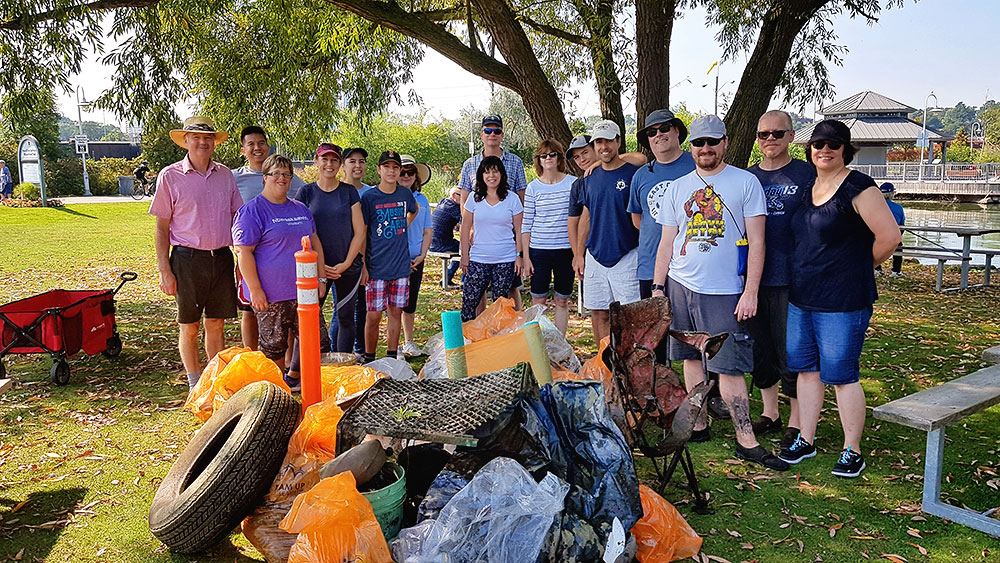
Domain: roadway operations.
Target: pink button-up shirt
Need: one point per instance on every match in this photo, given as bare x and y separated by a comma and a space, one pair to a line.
200, 207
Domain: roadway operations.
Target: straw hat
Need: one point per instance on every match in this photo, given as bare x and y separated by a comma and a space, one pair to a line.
197, 124
423, 171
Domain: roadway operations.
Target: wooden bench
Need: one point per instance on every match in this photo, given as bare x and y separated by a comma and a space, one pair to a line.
932, 410
943, 255
446, 259
962, 173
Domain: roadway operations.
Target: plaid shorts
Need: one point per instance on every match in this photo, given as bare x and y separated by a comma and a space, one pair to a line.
392, 292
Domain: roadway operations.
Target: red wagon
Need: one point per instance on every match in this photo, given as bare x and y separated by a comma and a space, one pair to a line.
61, 323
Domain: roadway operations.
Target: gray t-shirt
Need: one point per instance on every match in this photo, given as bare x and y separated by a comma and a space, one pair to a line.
250, 182
709, 214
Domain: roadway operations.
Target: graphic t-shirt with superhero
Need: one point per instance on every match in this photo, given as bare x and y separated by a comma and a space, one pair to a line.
709, 214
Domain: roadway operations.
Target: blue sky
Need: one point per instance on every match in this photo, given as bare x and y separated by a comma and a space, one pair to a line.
948, 46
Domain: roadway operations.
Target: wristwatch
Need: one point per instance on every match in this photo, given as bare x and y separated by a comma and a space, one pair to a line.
658, 287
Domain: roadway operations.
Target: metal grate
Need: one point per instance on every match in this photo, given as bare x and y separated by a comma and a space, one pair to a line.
437, 410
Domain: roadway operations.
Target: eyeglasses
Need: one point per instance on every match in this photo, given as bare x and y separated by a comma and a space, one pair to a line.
492, 131
285, 175
820, 145
411, 172
552, 154
652, 131
777, 134
703, 142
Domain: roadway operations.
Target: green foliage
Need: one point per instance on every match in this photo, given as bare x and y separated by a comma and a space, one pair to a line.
64, 177
104, 173
39, 119
158, 148
429, 142
27, 190
797, 152
93, 130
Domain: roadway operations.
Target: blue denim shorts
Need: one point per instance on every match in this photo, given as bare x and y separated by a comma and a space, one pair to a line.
829, 343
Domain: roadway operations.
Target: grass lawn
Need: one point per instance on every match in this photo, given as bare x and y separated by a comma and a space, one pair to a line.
79, 464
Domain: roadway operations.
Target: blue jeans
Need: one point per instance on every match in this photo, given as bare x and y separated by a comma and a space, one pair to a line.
829, 343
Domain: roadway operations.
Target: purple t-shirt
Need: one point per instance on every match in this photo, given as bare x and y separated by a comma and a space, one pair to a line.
276, 231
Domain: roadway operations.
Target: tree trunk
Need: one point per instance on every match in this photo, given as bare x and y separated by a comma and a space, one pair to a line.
782, 23
599, 22
539, 96
654, 24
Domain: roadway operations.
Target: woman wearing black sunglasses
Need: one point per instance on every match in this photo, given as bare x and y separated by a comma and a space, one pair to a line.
842, 228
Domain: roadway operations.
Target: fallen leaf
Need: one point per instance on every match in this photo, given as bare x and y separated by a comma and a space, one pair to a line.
894, 558
746, 545
919, 548
18, 506
734, 533
914, 532
717, 559
801, 545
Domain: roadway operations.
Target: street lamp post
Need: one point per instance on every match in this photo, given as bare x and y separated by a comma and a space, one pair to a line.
924, 141
79, 119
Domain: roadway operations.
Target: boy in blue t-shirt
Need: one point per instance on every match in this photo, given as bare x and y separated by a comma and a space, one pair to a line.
888, 191
387, 210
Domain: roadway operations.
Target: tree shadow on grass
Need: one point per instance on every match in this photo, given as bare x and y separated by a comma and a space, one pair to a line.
36, 525
66, 209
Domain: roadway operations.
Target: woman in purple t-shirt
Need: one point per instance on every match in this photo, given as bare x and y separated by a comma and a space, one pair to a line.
267, 231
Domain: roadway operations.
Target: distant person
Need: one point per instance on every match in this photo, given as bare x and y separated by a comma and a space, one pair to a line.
412, 177
336, 208
784, 180
387, 210
549, 258
355, 167
6, 181
250, 182
888, 192
267, 231
140, 174
492, 258
194, 209
842, 229
444, 221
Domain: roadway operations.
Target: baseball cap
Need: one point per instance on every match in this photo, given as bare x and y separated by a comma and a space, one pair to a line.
661, 116
605, 129
708, 127
390, 156
831, 130
492, 119
887, 188
328, 148
578, 142
351, 150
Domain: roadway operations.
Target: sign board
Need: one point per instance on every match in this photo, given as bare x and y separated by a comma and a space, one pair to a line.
923, 139
31, 172
30, 165
82, 148
28, 150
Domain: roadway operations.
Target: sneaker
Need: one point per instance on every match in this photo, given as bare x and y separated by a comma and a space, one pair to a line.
699, 436
791, 433
897, 275
799, 450
410, 350
759, 455
765, 425
850, 464
718, 408
293, 383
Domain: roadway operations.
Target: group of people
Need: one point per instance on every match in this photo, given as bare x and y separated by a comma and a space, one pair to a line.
683, 224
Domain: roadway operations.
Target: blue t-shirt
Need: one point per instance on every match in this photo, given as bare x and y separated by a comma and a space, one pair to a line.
447, 214
250, 183
276, 231
897, 212
387, 253
332, 213
415, 232
576, 198
783, 190
648, 187
605, 193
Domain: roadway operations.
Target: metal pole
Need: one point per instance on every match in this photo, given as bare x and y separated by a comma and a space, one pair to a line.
79, 120
716, 92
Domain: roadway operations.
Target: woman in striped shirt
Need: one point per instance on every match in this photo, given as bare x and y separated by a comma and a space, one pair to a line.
544, 232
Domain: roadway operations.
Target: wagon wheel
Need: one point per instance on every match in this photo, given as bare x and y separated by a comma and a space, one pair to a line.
113, 347
60, 371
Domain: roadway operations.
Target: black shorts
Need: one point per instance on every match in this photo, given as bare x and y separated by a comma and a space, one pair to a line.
205, 283
416, 276
552, 268
768, 330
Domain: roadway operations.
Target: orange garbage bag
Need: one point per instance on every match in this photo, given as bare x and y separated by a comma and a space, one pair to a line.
662, 534
244, 369
595, 369
312, 444
335, 523
199, 400
341, 382
499, 318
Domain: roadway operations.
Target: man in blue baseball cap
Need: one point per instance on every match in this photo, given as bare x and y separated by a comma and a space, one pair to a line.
888, 192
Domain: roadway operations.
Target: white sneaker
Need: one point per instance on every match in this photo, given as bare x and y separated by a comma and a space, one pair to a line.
410, 350
897, 275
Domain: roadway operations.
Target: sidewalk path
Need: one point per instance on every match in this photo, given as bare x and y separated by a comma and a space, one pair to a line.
99, 199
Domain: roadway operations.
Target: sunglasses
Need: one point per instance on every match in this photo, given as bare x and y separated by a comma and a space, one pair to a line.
553, 154
703, 142
405, 172
285, 175
777, 134
820, 145
492, 131
652, 131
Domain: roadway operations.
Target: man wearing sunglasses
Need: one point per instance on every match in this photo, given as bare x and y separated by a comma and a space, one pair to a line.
706, 216
784, 180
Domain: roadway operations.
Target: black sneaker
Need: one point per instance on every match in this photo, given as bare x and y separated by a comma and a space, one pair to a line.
699, 436
759, 455
765, 425
718, 408
799, 450
850, 464
791, 433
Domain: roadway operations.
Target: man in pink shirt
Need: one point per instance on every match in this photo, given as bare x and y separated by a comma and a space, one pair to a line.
194, 206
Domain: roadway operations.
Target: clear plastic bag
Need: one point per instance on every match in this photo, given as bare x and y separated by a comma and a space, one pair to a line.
560, 351
393, 367
662, 533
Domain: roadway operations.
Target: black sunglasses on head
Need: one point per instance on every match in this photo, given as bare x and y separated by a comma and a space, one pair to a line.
819, 145
703, 142
492, 131
552, 154
652, 131
777, 134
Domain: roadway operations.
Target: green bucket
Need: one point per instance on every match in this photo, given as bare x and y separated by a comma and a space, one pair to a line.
387, 503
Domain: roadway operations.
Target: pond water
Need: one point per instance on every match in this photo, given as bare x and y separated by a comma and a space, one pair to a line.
928, 214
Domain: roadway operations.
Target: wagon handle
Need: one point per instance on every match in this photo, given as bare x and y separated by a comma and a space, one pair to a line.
126, 277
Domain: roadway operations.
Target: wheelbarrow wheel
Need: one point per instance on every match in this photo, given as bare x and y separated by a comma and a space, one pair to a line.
113, 347
60, 371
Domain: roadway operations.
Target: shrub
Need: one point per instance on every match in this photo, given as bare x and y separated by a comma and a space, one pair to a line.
27, 190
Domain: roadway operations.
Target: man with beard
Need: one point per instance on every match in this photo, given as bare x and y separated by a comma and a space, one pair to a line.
707, 216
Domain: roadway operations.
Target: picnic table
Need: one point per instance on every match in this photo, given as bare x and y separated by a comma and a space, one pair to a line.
965, 233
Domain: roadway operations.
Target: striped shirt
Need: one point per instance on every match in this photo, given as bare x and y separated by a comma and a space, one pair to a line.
546, 210
511, 162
